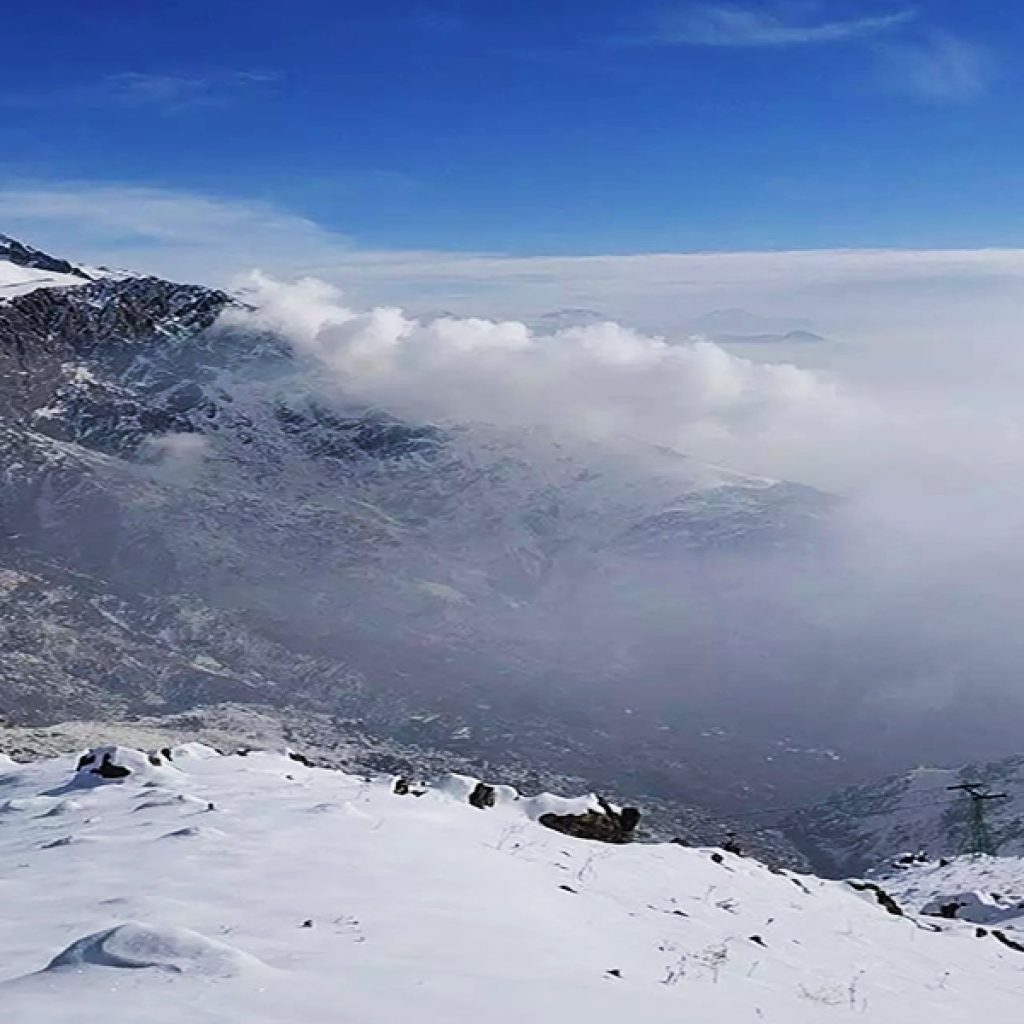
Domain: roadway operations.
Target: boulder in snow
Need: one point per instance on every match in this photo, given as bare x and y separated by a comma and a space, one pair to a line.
606, 825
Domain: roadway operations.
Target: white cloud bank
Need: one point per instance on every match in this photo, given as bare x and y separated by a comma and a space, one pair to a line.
607, 381
921, 376
603, 380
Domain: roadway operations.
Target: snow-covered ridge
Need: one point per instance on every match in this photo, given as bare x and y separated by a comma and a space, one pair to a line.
921, 810
981, 889
24, 269
258, 888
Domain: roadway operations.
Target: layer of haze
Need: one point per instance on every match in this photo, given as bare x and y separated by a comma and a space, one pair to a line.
900, 630
896, 641
913, 417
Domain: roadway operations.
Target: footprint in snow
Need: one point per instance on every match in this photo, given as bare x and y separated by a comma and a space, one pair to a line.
193, 832
67, 841
168, 801
62, 808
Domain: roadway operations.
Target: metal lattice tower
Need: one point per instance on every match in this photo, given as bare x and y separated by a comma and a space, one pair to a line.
979, 839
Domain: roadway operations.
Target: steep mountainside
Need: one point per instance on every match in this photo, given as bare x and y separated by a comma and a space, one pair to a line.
189, 514
863, 827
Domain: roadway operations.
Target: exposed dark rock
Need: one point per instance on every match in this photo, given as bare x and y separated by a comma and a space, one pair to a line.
108, 770
606, 825
25, 256
629, 818
909, 859
301, 758
403, 787
881, 896
949, 910
1007, 941
482, 796
732, 845
85, 760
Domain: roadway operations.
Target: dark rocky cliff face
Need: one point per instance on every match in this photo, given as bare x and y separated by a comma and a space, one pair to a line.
106, 364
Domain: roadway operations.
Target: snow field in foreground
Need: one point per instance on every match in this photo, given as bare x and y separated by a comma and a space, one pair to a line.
307, 895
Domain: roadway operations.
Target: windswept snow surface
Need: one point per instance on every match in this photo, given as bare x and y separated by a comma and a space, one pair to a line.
15, 280
24, 269
307, 895
985, 890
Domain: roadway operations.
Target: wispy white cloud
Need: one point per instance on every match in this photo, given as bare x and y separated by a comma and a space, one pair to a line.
938, 66
732, 25
911, 57
143, 88
160, 229
846, 294
163, 91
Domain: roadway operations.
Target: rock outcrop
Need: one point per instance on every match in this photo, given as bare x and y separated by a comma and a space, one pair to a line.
606, 825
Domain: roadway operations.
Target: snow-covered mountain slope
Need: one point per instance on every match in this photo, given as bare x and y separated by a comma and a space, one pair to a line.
862, 827
24, 269
384, 738
981, 889
18, 280
217, 889
171, 482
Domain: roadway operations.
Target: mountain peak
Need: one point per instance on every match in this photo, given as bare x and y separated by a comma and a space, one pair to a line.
13, 251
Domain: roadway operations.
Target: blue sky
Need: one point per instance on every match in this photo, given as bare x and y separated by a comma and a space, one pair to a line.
538, 127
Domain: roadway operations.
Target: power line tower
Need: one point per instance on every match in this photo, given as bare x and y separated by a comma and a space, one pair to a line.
979, 839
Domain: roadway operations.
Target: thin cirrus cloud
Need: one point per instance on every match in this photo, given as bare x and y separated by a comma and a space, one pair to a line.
136, 87
909, 58
730, 25
939, 66
171, 91
161, 91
